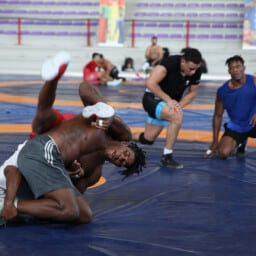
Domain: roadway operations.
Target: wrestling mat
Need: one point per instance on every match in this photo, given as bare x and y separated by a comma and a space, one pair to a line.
206, 208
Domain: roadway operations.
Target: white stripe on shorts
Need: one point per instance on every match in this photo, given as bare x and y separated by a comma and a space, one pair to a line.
48, 148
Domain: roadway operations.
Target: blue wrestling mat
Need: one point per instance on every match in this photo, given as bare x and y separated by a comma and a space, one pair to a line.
207, 208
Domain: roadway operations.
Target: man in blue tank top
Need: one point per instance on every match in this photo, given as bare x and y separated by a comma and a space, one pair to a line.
237, 97
171, 86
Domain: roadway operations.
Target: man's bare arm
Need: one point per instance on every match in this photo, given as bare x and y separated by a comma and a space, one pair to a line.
13, 179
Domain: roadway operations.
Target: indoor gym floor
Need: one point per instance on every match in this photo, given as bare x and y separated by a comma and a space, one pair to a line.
206, 208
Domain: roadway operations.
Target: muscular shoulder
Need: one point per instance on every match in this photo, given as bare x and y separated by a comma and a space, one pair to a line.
221, 91
159, 48
171, 62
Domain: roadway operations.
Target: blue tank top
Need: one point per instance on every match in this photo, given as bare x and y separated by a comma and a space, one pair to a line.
240, 104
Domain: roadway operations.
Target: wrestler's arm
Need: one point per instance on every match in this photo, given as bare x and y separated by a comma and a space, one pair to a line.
90, 95
84, 182
216, 125
147, 53
217, 119
189, 97
119, 130
75, 170
92, 164
152, 83
13, 179
107, 76
253, 119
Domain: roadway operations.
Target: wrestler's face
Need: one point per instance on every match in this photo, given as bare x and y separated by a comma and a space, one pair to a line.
120, 154
154, 41
236, 70
188, 68
97, 59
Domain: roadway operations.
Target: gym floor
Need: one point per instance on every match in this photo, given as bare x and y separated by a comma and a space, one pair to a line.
206, 208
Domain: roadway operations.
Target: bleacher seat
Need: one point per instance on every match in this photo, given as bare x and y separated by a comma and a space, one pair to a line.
164, 24
205, 5
167, 5
154, 5
151, 24
204, 25
192, 14
216, 36
166, 14
180, 5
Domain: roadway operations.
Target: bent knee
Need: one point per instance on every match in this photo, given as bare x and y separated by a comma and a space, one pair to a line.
223, 154
175, 117
70, 214
86, 217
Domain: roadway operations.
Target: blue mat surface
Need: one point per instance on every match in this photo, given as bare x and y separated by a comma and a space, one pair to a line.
207, 208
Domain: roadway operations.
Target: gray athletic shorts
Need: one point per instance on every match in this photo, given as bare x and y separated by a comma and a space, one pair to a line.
41, 165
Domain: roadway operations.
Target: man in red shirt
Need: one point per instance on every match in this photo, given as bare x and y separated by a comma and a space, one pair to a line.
91, 73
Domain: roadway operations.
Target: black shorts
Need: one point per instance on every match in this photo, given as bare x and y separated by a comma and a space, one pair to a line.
114, 73
150, 103
239, 137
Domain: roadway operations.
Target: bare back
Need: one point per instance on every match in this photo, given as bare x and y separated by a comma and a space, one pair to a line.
107, 65
77, 137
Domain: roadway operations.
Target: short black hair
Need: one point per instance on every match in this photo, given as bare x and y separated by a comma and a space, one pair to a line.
192, 54
139, 163
235, 58
95, 54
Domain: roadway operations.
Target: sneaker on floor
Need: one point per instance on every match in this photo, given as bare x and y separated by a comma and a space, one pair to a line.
2, 221
55, 67
100, 109
168, 161
241, 149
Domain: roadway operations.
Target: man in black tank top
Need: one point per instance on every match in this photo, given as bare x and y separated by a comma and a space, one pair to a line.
164, 99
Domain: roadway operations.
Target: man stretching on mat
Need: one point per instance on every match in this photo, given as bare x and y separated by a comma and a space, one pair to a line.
90, 72
238, 97
114, 155
163, 99
111, 72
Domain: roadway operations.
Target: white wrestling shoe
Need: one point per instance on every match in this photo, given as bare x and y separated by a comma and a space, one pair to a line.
114, 82
100, 110
55, 67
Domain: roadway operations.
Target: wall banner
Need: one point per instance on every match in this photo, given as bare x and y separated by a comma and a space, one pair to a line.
249, 29
111, 23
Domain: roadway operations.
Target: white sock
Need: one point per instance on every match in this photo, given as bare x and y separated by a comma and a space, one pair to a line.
167, 151
15, 203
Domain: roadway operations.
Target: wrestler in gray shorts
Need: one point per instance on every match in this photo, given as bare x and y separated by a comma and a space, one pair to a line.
41, 164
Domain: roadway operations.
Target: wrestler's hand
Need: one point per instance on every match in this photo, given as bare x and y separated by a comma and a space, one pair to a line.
9, 211
102, 123
253, 120
211, 151
76, 171
174, 106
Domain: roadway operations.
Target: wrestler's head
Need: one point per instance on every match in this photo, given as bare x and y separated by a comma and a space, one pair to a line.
191, 60
127, 155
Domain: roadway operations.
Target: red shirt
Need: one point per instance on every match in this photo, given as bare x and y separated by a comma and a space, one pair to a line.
60, 118
91, 66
